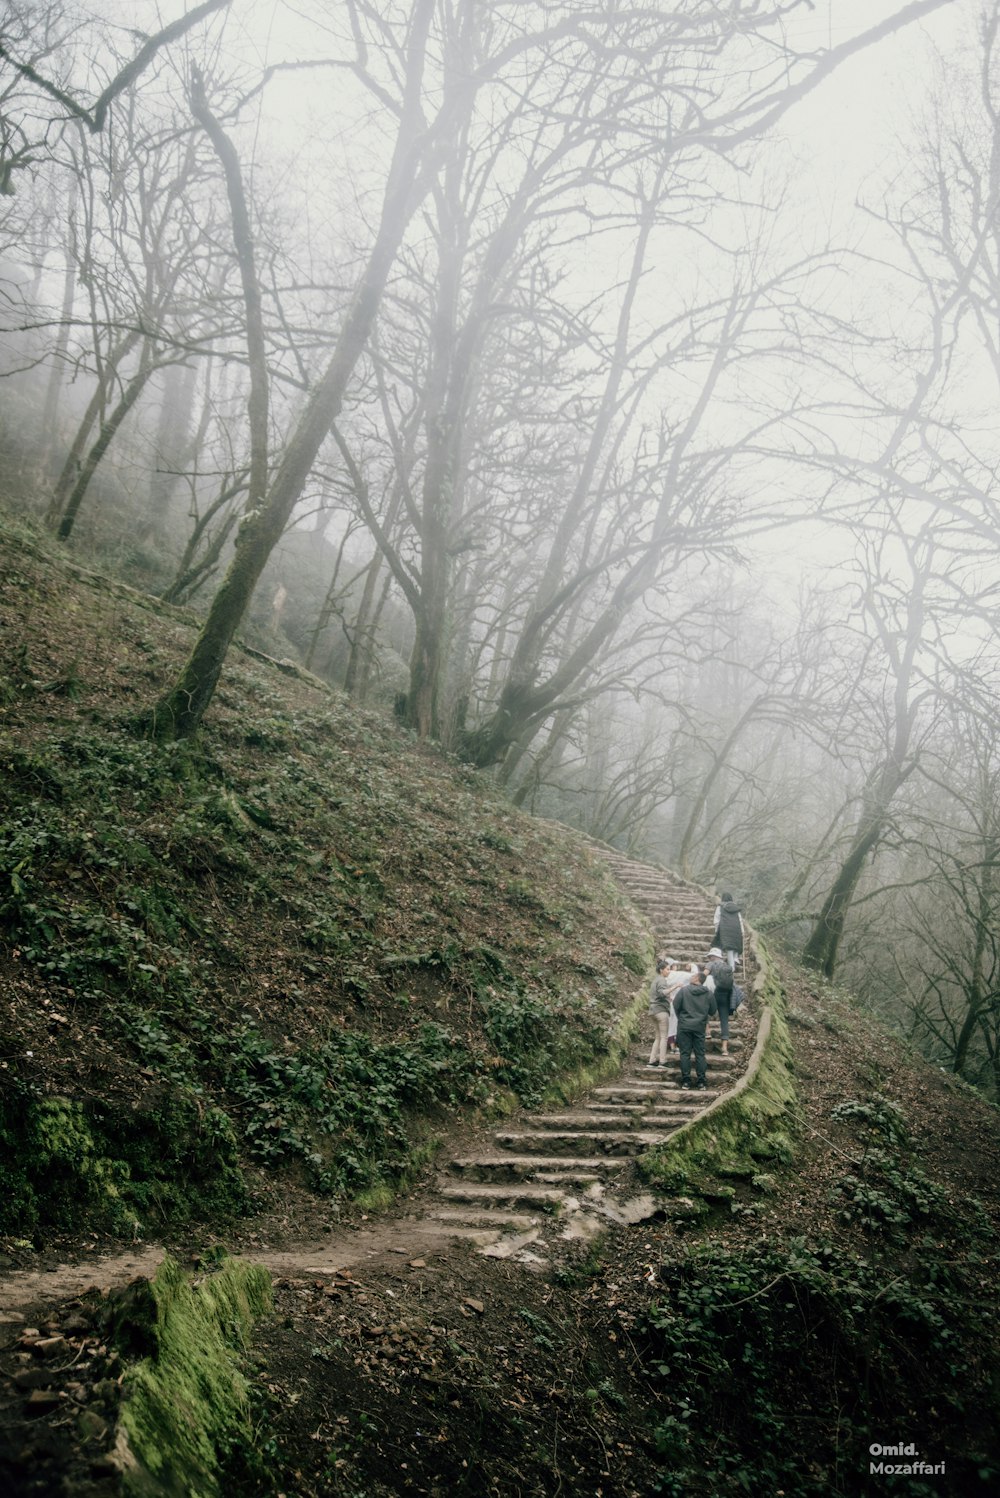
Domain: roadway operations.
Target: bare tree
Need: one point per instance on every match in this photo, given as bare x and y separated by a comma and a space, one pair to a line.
419, 149
179, 711
32, 35
900, 614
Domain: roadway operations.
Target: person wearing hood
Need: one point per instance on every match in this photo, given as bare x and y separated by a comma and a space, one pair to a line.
694, 1005
729, 928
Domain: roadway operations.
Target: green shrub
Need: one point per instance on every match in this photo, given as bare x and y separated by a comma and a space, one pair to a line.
757, 1344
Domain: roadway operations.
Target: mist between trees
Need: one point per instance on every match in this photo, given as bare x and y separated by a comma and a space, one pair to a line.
470, 356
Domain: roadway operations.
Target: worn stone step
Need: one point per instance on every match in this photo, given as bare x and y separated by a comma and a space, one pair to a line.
578, 1180
623, 1143
588, 1119
503, 1168
712, 1044
714, 1058
669, 1117
638, 1091
697, 934
601, 1107
472, 1215
667, 1089
508, 1194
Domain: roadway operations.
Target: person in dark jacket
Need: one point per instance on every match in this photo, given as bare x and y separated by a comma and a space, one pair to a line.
720, 980
694, 1006
729, 928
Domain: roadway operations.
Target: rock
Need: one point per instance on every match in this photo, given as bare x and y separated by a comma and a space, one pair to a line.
48, 1347
474, 1305
91, 1426
42, 1399
639, 1209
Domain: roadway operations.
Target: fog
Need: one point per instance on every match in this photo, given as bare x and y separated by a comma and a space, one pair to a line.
622, 385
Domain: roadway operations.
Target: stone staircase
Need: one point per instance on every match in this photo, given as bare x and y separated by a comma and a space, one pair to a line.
570, 1171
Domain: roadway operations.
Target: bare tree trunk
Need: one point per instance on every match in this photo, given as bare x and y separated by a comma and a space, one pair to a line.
719, 759
361, 639
192, 570
820, 951
978, 989
53, 389
172, 447
109, 429
179, 712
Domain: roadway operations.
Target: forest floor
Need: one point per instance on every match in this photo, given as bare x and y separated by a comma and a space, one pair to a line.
402, 1364
312, 885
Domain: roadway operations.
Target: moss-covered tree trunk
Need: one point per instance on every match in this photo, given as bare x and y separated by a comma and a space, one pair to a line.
820, 950
179, 712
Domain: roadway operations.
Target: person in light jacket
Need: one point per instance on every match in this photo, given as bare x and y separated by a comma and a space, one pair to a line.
670, 976
659, 1007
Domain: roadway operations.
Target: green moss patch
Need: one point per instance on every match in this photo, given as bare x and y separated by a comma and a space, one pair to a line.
757, 1344
300, 943
186, 1412
121, 1168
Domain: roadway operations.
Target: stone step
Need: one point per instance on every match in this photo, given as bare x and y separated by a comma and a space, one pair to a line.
712, 1043
513, 1194
664, 917
580, 1180
589, 1119
661, 885
484, 1216
714, 1058
638, 1091
674, 912
623, 1143
500, 1169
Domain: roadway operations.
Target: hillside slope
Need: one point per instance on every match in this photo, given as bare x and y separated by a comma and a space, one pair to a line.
247, 985
264, 967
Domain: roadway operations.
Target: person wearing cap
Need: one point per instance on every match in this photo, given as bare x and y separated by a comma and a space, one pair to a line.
720, 980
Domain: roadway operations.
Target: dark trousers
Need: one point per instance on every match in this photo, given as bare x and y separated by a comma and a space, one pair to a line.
688, 1041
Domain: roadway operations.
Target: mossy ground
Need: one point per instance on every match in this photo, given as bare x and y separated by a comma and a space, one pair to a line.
283, 962
287, 953
186, 1411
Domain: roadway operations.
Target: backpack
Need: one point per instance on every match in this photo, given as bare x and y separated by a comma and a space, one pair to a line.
722, 973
